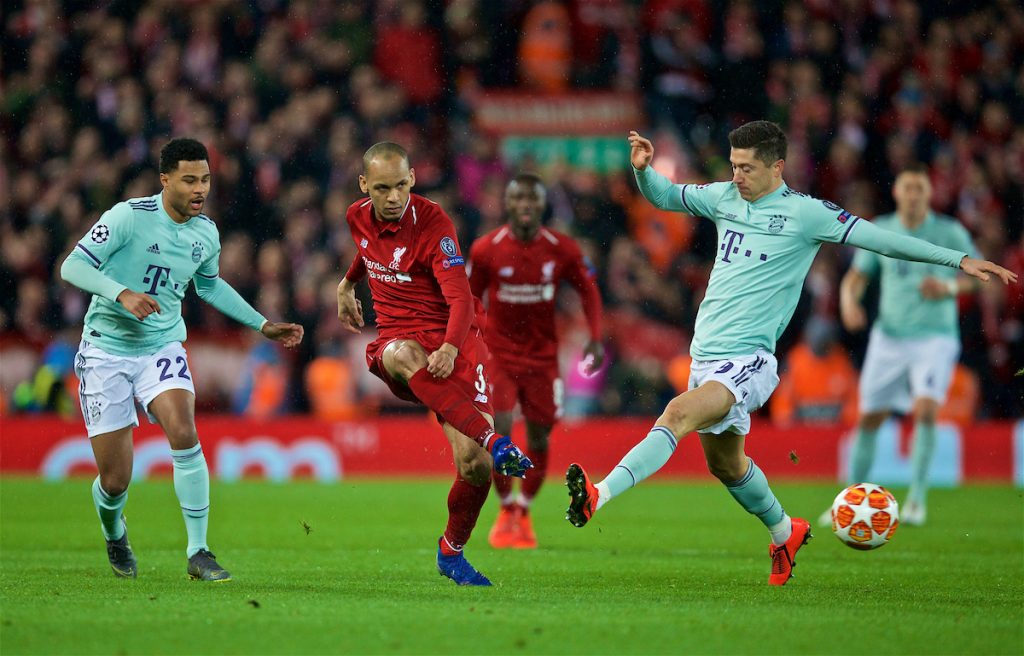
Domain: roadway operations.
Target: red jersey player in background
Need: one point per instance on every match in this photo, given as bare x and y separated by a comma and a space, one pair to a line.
518, 268
429, 348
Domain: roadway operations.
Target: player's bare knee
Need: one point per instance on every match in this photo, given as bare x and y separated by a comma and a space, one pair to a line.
115, 483
407, 358
926, 411
872, 421
182, 435
677, 417
726, 465
725, 469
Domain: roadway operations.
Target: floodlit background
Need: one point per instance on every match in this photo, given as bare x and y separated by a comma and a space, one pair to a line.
287, 96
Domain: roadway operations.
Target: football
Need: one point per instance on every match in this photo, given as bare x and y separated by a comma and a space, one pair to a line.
865, 516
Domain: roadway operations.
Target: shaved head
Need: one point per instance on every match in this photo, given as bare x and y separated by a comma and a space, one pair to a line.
384, 150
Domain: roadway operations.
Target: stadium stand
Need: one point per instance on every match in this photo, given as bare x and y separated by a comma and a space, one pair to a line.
287, 95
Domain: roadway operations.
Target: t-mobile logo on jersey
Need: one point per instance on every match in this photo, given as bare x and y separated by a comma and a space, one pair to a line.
154, 280
731, 246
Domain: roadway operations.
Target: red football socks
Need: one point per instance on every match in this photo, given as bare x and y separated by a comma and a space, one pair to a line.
445, 398
464, 504
535, 477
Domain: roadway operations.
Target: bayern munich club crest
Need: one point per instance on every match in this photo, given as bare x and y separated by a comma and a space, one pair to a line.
100, 234
197, 251
448, 247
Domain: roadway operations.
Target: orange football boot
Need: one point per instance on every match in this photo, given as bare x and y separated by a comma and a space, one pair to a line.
582, 496
525, 538
505, 531
784, 555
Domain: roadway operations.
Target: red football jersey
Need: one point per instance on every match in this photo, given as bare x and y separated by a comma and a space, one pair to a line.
520, 280
416, 270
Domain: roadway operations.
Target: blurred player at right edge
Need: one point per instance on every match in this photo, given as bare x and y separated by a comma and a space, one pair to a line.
768, 236
915, 343
518, 267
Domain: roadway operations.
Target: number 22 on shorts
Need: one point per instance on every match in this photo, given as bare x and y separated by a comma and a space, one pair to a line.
165, 368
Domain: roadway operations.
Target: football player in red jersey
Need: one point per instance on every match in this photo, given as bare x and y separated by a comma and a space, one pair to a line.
518, 268
429, 348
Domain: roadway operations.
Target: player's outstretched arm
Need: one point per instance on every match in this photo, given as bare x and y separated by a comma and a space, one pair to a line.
350, 308
981, 269
655, 187
288, 334
904, 247
223, 296
641, 150
80, 272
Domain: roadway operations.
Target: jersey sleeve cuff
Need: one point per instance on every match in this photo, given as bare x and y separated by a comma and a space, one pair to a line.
115, 291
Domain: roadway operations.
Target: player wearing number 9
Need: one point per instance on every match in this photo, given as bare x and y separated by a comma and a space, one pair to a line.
137, 262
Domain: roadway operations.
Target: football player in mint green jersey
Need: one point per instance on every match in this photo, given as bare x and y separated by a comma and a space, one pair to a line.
137, 261
768, 235
915, 343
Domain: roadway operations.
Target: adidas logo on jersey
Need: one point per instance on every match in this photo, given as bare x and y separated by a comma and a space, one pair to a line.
155, 248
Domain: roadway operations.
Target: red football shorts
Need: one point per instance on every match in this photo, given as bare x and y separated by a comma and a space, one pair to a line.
470, 366
538, 390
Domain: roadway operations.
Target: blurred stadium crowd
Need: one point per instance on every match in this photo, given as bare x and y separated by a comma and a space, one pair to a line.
287, 95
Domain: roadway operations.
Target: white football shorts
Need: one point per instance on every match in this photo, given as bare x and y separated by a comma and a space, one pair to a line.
898, 370
109, 384
750, 378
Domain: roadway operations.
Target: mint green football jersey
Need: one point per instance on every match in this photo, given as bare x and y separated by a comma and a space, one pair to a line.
765, 250
138, 245
902, 311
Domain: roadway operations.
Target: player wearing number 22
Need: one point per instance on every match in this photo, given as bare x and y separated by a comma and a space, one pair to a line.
137, 261
429, 348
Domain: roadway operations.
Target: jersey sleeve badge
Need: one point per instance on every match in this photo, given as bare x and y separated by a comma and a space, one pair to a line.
100, 234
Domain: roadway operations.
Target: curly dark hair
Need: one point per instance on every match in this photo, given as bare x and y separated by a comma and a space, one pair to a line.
181, 150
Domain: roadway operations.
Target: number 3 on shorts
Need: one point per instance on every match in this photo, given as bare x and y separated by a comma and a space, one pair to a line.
481, 384
181, 364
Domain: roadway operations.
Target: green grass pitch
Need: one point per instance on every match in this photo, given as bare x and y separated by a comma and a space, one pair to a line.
667, 568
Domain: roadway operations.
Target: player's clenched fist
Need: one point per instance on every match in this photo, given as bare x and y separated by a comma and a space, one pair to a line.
140, 305
350, 308
441, 363
641, 150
